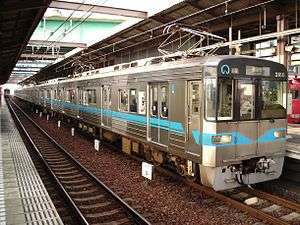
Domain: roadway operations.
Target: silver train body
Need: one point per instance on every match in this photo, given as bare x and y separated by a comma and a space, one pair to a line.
224, 116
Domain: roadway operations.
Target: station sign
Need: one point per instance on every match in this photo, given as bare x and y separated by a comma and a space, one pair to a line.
147, 170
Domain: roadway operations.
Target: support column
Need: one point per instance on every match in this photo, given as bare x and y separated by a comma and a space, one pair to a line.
283, 56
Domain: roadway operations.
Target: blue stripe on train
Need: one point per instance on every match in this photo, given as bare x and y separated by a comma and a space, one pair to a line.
200, 138
127, 117
236, 138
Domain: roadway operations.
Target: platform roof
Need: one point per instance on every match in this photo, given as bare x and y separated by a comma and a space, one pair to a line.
213, 15
18, 19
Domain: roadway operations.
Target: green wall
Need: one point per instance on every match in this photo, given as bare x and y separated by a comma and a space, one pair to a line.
88, 31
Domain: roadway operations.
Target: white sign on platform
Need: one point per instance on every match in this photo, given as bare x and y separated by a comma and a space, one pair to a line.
97, 144
147, 170
41, 114
72, 132
47, 117
58, 123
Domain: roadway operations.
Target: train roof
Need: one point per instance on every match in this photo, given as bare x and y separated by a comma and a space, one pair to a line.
158, 63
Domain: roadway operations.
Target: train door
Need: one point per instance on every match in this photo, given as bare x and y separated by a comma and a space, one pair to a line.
193, 102
158, 123
106, 105
246, 111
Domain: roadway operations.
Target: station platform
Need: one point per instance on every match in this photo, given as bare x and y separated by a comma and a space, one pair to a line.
23, 197
293, 141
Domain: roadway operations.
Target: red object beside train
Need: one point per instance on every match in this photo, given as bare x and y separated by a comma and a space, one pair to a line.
294, 90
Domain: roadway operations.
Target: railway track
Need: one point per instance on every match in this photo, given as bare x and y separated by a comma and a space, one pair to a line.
91, 201
263, 206
64, 211
269, 208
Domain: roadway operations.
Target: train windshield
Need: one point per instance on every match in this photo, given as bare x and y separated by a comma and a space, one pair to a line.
273, 99
244, 99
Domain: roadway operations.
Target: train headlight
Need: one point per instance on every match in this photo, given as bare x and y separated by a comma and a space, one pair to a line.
279, 134
222, 139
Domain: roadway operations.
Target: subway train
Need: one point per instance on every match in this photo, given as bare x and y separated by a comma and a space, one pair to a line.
221, 119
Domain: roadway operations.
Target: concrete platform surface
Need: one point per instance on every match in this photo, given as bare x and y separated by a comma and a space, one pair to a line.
23, 197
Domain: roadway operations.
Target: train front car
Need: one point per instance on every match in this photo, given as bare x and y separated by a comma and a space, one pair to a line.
244, 124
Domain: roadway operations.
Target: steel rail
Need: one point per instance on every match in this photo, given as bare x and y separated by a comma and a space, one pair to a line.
273, 198
138, 218
67, 196
229, 201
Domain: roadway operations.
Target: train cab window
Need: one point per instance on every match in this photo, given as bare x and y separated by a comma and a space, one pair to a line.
133, 100
210, 99
246, 94
91, 96
154, 100
123, 100
273, 99
225, 109
295, 94
164, 101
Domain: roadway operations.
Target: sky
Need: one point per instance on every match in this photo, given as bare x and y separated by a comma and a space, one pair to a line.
150, 6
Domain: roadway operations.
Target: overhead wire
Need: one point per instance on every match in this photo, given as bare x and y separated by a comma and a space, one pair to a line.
64, 22
77, 25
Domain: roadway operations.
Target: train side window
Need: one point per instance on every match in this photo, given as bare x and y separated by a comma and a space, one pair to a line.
84, 98
164, 101
55, 94
133, 100
123, 100
59, 94
91, 96
142, 102
107, 95
68, 96
71, 96
154, 100
195, 101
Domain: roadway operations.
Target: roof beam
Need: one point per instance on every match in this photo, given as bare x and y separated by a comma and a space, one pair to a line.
40, 56
56, 44
11, 7
98, 9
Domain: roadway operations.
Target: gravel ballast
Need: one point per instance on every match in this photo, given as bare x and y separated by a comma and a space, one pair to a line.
162, 200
